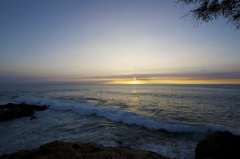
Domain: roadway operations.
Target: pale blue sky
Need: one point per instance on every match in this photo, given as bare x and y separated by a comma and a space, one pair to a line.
60, 40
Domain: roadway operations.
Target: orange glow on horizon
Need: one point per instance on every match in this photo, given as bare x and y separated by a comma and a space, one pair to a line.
165, 80
151, 80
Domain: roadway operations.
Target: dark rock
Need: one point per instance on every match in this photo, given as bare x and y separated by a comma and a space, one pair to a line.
120, 142
65, 150
219, 145
11, 111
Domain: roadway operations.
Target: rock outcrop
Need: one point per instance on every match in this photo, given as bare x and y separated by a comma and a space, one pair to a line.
67, 150
219, 145
11, 111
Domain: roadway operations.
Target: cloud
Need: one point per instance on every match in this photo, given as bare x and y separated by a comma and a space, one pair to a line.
207, 75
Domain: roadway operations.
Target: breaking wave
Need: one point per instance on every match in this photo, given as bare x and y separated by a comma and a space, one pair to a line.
120, 115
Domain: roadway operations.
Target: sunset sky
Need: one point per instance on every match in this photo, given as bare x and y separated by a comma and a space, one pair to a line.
113, 42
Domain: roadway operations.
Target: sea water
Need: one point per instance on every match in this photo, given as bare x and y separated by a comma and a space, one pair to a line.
166, 119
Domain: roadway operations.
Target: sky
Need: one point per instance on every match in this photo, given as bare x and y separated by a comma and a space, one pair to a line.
114, 42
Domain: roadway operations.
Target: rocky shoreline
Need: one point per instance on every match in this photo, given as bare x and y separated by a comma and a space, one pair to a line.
68, 150
218, 145
10, 111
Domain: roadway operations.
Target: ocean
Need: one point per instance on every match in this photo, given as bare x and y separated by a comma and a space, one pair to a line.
166, 119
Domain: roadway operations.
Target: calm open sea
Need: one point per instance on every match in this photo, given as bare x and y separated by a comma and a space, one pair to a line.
167, 119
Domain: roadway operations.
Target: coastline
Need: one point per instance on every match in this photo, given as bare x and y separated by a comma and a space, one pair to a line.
63, 150
217, 144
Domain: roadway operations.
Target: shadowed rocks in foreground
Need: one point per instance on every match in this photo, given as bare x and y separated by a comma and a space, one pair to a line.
65, 150
11, 111
219, 145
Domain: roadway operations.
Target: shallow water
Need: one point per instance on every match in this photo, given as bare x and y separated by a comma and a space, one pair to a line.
167, 119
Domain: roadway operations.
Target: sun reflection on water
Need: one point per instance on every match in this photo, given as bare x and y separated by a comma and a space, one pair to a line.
134, 89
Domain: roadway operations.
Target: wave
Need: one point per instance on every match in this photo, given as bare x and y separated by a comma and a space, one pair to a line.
119, 115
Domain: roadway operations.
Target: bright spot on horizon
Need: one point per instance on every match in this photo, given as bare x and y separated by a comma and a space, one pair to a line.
134, 79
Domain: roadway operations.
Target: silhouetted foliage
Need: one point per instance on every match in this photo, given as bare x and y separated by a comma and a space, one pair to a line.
207, 10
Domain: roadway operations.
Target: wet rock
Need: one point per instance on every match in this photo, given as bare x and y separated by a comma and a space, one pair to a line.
219, 145
64, 150
11, 111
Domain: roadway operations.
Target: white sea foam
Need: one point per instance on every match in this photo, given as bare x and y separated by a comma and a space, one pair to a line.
119, 115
